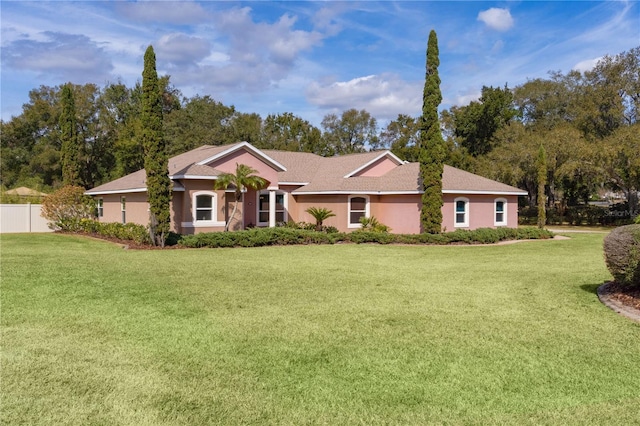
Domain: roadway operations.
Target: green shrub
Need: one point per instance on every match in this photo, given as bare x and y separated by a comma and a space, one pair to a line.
637, 219
371, 224
622, 254
130, 231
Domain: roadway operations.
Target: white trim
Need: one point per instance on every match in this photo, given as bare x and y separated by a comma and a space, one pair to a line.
100, 207
203, 224
482, 192
356, 192
249, 147
504, 211
126, 191
467, 208
367, 211
389, 154
193, 177
293, 183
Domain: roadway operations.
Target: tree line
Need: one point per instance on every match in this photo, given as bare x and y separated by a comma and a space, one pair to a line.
586, 123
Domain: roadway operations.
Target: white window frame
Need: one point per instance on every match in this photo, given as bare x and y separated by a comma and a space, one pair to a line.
504, 212
214, 211
100, 207
285, 203
464, 224
123, 209
349, 211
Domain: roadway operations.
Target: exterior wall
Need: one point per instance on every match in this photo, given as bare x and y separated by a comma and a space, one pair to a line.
378, 168
228, 163
400, 212
16, 218
336, 203
481, 211
191, 187
136, 206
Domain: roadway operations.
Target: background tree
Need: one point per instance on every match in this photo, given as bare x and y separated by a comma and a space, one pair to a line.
542, 181
244, 177
352, 132
69, 138
432, 150
287, 132
155, 160
401, 136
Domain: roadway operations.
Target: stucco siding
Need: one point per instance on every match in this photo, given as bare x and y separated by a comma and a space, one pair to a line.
481, 211
228, 163
378, 168
400, 212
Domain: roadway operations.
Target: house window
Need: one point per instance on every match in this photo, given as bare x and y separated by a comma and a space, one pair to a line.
100, 207
123, 209
263, 207
358, 207
205, 205
461, 212
500, 207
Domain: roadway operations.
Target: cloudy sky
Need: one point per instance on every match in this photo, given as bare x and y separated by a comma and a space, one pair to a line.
308, 58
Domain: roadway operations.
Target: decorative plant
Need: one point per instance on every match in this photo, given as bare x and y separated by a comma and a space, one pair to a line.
372, 224
320, 214
244, 177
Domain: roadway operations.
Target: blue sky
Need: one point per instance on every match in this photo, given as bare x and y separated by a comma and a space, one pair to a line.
308, 58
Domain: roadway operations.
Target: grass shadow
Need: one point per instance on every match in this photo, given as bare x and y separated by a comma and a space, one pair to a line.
591, 288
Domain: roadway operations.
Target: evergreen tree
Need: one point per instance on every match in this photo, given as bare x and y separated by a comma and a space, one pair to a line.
156, 163
69, 138
432, 149
541, 164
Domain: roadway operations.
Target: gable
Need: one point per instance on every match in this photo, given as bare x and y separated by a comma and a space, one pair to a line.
227, 164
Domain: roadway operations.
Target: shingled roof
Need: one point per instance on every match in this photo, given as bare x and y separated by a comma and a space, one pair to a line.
314, 174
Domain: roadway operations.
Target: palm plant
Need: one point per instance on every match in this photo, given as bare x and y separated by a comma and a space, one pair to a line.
320, 214
244, 177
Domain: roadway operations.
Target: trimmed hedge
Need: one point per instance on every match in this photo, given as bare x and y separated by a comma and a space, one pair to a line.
622, 254
258, 237
129, 231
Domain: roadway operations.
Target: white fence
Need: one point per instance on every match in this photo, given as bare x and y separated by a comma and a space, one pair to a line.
22, 218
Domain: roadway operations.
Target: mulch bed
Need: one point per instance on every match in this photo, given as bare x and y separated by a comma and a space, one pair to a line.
628, 296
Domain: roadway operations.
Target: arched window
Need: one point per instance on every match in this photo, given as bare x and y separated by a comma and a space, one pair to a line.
205, 208
461, 219
358, 207
500, 212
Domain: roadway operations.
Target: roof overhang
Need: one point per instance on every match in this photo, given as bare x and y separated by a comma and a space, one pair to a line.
246, 145
415, 192
482, 192
193, 177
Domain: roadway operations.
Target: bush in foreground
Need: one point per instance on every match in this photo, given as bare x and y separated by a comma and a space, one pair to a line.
129, 231
258, 237
67, 207
622, 254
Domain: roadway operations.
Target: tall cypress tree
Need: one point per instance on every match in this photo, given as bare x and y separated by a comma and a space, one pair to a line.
69, 138
156, 163
541, 163
432, 148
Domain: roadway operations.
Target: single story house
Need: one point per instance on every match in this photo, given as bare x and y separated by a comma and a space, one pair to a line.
368, 184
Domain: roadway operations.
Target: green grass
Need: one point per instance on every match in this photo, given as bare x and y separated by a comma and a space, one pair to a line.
344, 334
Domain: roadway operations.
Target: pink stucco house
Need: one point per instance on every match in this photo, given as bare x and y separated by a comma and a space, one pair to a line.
369, 184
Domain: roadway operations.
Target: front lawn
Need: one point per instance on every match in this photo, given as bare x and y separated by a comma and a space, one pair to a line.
317, 334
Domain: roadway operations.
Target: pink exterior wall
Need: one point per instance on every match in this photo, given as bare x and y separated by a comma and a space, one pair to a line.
336, 203
400, 212
378, 168
136, 206
481, 211
187, 212
228, 163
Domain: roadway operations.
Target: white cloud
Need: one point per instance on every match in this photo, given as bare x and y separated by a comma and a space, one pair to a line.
181, 49
68, 57
498, 19
586, 65
383, 96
